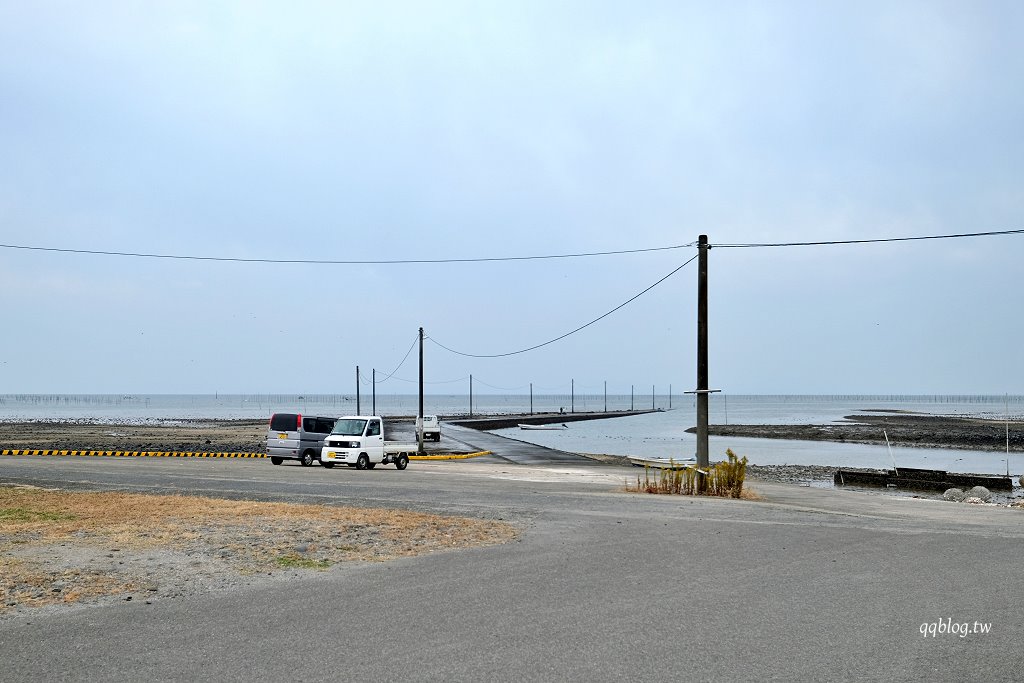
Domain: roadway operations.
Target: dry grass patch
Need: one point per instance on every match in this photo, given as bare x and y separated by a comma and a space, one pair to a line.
724, 479
59, 546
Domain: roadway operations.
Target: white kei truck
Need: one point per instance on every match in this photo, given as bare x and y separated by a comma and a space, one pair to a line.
358, 441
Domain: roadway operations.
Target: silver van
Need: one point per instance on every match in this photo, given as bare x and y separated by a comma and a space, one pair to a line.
297, 437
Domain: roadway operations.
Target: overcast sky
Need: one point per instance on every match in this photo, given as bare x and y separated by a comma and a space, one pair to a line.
412, 130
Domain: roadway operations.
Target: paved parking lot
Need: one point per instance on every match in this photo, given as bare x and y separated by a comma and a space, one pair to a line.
603, 585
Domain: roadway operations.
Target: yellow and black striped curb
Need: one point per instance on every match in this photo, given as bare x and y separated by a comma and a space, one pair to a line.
193, 454
131, 454
449, 456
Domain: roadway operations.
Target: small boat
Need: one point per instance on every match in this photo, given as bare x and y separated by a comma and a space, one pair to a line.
561, 426
665, 463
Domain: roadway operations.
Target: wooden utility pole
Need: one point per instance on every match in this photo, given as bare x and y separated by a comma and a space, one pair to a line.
702, 359
419, 415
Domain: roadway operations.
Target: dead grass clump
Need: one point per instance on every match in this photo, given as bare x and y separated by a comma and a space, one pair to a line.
724, 479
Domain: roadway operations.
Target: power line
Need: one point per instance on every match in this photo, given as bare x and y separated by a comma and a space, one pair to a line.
404, 358
871, 241
519, 388
231, 259
559, 338
443, 381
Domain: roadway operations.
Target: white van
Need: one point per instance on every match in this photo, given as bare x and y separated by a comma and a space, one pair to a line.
431, 428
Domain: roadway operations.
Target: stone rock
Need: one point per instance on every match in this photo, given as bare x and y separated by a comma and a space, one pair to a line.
980, 492
954, 495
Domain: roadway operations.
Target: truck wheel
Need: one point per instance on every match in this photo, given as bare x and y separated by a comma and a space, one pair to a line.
274, 460
307, 459
402, 462
362, 462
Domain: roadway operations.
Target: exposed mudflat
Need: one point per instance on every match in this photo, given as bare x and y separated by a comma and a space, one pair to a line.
903, 429
194, 435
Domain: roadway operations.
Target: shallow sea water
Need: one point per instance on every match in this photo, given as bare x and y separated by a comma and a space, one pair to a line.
661, 434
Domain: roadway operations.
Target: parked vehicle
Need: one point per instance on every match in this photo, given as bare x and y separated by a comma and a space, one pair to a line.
358, 441
431, 428
293, 436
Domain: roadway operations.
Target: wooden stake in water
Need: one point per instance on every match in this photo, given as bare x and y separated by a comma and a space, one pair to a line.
889, 446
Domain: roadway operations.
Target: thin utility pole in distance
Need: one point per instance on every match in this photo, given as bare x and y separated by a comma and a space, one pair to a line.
419, 415
358, 410
374, 391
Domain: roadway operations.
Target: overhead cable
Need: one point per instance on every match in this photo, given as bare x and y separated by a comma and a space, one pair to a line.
404, 358
869, 241
559, 338
329, 262
443, 381
480, 381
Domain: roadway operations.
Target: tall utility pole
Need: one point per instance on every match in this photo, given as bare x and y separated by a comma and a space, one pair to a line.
572, 396
702, 359
358, 410
419, 415
630, 398
606, 396
531, 398
471, 395
652, 397
375, 391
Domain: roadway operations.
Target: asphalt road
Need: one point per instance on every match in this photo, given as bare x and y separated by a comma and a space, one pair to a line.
808, 584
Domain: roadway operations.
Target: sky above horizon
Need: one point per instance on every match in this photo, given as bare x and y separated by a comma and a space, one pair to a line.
376, 131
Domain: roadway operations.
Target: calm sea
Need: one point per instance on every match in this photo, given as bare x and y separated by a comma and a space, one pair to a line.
657, 434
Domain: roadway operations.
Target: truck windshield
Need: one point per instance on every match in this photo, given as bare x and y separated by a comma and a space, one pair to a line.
349, 427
